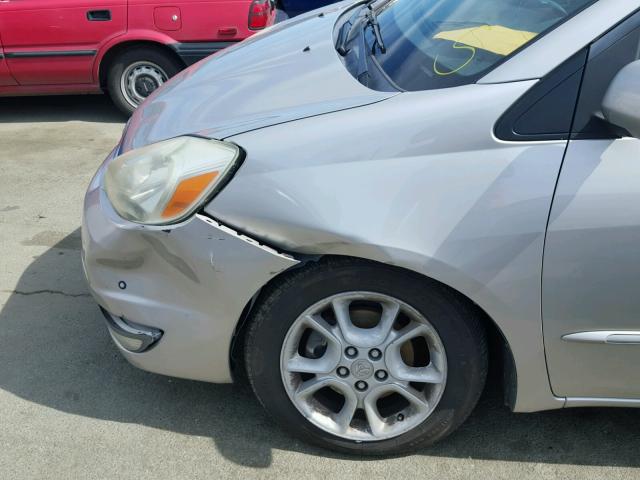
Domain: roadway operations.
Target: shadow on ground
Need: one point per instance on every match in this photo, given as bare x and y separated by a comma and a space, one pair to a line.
55, 351
59, 108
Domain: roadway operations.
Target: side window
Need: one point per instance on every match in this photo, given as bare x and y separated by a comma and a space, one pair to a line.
607, 56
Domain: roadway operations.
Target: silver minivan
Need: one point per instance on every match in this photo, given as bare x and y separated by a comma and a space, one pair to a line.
362, 208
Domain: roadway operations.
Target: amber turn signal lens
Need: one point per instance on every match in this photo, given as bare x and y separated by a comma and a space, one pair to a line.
186, 194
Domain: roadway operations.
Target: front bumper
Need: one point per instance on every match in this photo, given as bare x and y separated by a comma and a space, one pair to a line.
190, 282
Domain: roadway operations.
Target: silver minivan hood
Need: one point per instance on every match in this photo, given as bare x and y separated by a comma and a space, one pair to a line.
289, 72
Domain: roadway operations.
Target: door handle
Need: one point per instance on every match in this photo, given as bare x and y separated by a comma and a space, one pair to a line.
99, 15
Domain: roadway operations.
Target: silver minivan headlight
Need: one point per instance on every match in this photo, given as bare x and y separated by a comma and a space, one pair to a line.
166, 182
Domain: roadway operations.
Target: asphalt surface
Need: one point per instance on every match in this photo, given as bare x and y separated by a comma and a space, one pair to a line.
72, 408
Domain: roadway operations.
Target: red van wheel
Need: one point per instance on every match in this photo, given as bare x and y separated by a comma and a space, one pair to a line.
137, 73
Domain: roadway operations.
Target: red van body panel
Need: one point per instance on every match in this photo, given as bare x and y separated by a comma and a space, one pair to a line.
58, 46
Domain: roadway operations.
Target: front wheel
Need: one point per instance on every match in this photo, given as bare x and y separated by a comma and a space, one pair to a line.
364, 358
136, 73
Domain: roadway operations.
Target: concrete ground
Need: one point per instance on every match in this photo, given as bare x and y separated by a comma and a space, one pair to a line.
72, 408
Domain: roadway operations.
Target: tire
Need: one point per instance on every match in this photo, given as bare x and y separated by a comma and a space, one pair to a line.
160, 66
457, 324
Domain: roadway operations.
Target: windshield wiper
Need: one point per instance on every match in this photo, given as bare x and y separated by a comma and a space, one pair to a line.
372, 21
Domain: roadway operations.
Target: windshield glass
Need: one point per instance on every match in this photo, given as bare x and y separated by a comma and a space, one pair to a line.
443, 43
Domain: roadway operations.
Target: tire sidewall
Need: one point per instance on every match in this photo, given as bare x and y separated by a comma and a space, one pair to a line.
465, 353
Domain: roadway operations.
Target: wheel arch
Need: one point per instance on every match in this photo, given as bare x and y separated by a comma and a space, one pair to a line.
501, 359
111, 53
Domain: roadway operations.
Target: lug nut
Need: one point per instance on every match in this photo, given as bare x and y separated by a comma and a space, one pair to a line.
400, 417
375, 354
351, 352
343, 372
361, 386
381, 375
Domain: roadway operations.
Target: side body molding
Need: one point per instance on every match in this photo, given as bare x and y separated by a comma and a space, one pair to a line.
604, 337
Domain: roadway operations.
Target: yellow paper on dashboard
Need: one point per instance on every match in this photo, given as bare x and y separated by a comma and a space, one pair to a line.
493, 38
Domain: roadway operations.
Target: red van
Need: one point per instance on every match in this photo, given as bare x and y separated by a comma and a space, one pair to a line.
125, 47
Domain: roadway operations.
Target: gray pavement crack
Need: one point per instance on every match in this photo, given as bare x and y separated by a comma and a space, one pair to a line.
46, 291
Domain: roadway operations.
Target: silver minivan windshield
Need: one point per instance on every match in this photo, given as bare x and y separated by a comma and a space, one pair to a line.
430, 44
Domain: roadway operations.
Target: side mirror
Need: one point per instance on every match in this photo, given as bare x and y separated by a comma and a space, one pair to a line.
621, 104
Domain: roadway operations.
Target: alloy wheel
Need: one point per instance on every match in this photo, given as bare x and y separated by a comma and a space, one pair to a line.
363, 366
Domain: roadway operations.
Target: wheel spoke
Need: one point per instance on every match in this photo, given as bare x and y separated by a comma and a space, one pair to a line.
409, 332
390, 312
432, 373
428, 374
320, 325
414, 397
324, 364
345, 416
347, 328
362, 337
310, 387
328, 361
376, 422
